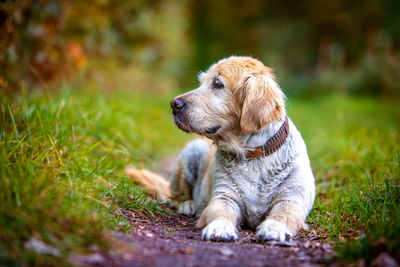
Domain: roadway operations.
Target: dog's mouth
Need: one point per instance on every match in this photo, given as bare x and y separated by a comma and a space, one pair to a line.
181, 125
184, 126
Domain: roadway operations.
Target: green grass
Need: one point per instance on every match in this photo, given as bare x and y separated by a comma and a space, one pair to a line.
354, 146
62, 160
62, 157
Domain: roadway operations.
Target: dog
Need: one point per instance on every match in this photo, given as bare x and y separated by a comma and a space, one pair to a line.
249, 167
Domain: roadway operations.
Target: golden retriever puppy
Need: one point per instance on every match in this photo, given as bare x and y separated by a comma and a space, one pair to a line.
252, 168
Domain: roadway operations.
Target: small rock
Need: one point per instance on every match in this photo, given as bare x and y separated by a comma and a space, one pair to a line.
148, 234
384, 260
283, 243
87, 259
226, 251
327, 247
94, 248
40, 247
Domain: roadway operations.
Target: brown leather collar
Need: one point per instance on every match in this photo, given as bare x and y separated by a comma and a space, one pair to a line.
273, 144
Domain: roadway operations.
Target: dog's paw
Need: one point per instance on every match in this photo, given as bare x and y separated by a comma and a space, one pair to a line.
273, 230
219, 230
187, 208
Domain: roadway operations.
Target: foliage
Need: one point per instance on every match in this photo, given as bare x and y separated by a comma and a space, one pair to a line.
377, 207
32, 47
353, 46
62, 160
354, 150
43, 40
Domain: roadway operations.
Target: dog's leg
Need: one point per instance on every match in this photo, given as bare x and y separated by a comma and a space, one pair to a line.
283, 222
188, 181
291, 205
220, 220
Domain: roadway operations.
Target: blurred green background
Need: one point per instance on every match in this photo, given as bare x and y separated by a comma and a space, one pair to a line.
314, 46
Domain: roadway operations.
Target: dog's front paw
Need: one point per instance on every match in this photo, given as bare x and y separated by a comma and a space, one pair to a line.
219, 230
273, 230
187, 208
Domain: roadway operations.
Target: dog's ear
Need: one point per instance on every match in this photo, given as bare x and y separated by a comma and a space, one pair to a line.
263, 102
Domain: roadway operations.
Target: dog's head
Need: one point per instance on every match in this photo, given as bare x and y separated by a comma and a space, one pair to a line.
237, 94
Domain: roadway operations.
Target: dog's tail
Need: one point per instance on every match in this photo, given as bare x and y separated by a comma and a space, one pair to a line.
154, 184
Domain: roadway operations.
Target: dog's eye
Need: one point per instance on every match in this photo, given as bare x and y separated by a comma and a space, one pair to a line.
218, 84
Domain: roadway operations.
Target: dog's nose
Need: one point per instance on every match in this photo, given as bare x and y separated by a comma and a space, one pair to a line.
177, 104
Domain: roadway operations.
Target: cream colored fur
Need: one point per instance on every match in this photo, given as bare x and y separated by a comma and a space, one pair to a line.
154, 184
214, 181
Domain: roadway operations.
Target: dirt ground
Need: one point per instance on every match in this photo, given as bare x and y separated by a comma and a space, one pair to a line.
173, 240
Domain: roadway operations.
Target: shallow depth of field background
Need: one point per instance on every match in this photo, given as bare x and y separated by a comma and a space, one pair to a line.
314, 46
85, 89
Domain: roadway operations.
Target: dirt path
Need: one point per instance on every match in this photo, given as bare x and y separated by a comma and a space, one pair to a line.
173, 240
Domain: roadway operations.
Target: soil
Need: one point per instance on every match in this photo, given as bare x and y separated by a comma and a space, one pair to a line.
173, 240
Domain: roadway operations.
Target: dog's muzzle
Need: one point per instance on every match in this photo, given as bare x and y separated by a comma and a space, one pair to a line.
178, 105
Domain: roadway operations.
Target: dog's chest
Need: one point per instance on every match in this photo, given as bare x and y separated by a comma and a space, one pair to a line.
258, 185
254, 183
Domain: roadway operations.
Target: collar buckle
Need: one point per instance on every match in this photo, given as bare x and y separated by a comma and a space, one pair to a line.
263, 154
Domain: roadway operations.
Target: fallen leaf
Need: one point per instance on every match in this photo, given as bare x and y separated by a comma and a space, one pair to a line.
190, 250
